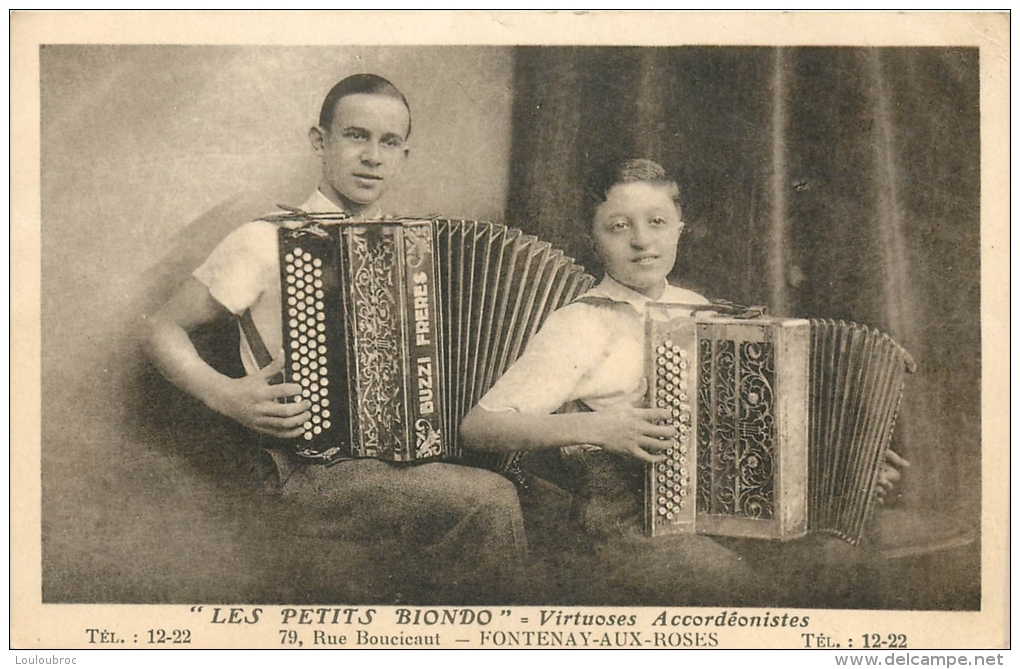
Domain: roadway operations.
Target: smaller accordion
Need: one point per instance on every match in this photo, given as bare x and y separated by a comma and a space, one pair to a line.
396, 328
783, 424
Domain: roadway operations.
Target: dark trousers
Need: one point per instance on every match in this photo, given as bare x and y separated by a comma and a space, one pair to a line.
446, 533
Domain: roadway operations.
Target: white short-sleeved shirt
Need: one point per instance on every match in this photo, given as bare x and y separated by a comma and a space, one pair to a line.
243, 272
592, 351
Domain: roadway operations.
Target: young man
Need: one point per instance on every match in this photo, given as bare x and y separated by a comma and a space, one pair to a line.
590, 354
456, 524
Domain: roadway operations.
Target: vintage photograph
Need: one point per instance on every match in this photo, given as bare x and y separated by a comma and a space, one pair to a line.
553, 325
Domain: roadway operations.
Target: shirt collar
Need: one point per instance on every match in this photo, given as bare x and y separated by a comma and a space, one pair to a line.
320, 204
612, 289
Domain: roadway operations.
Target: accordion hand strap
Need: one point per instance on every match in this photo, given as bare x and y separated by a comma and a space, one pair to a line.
735, 310
299, 218
263, 358
720, 307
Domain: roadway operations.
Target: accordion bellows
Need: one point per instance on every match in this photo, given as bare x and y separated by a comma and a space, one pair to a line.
783, 424
396, 328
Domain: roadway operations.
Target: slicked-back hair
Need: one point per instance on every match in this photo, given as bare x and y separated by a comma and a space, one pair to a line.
357, 84
603, 178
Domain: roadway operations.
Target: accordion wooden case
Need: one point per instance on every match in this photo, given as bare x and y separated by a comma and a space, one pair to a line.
395, 328
783, 423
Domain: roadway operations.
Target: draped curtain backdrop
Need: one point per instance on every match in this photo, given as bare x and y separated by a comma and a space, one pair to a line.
823, 182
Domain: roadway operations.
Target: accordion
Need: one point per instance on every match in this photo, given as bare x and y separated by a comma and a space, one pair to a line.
783, 424
396, 328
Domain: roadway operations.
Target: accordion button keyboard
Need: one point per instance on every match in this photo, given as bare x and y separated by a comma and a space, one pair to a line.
670, 477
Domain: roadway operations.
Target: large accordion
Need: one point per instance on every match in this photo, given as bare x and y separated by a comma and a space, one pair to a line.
783, 424
396, 328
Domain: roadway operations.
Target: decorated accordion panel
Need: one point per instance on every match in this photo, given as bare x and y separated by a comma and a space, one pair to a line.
396, 328
362, 337
782, 424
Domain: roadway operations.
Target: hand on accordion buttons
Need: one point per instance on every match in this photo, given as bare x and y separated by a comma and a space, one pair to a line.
254, 402
889, 475
636, 433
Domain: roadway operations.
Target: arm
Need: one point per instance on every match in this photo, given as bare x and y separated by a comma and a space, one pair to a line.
251, 400
627, 431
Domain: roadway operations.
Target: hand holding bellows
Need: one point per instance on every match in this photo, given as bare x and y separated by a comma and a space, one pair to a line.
889, 475
254, 401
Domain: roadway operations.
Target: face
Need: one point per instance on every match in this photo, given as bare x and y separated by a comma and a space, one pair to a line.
636, 231
363, 151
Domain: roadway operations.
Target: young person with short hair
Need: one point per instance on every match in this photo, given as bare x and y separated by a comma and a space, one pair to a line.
460, 527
